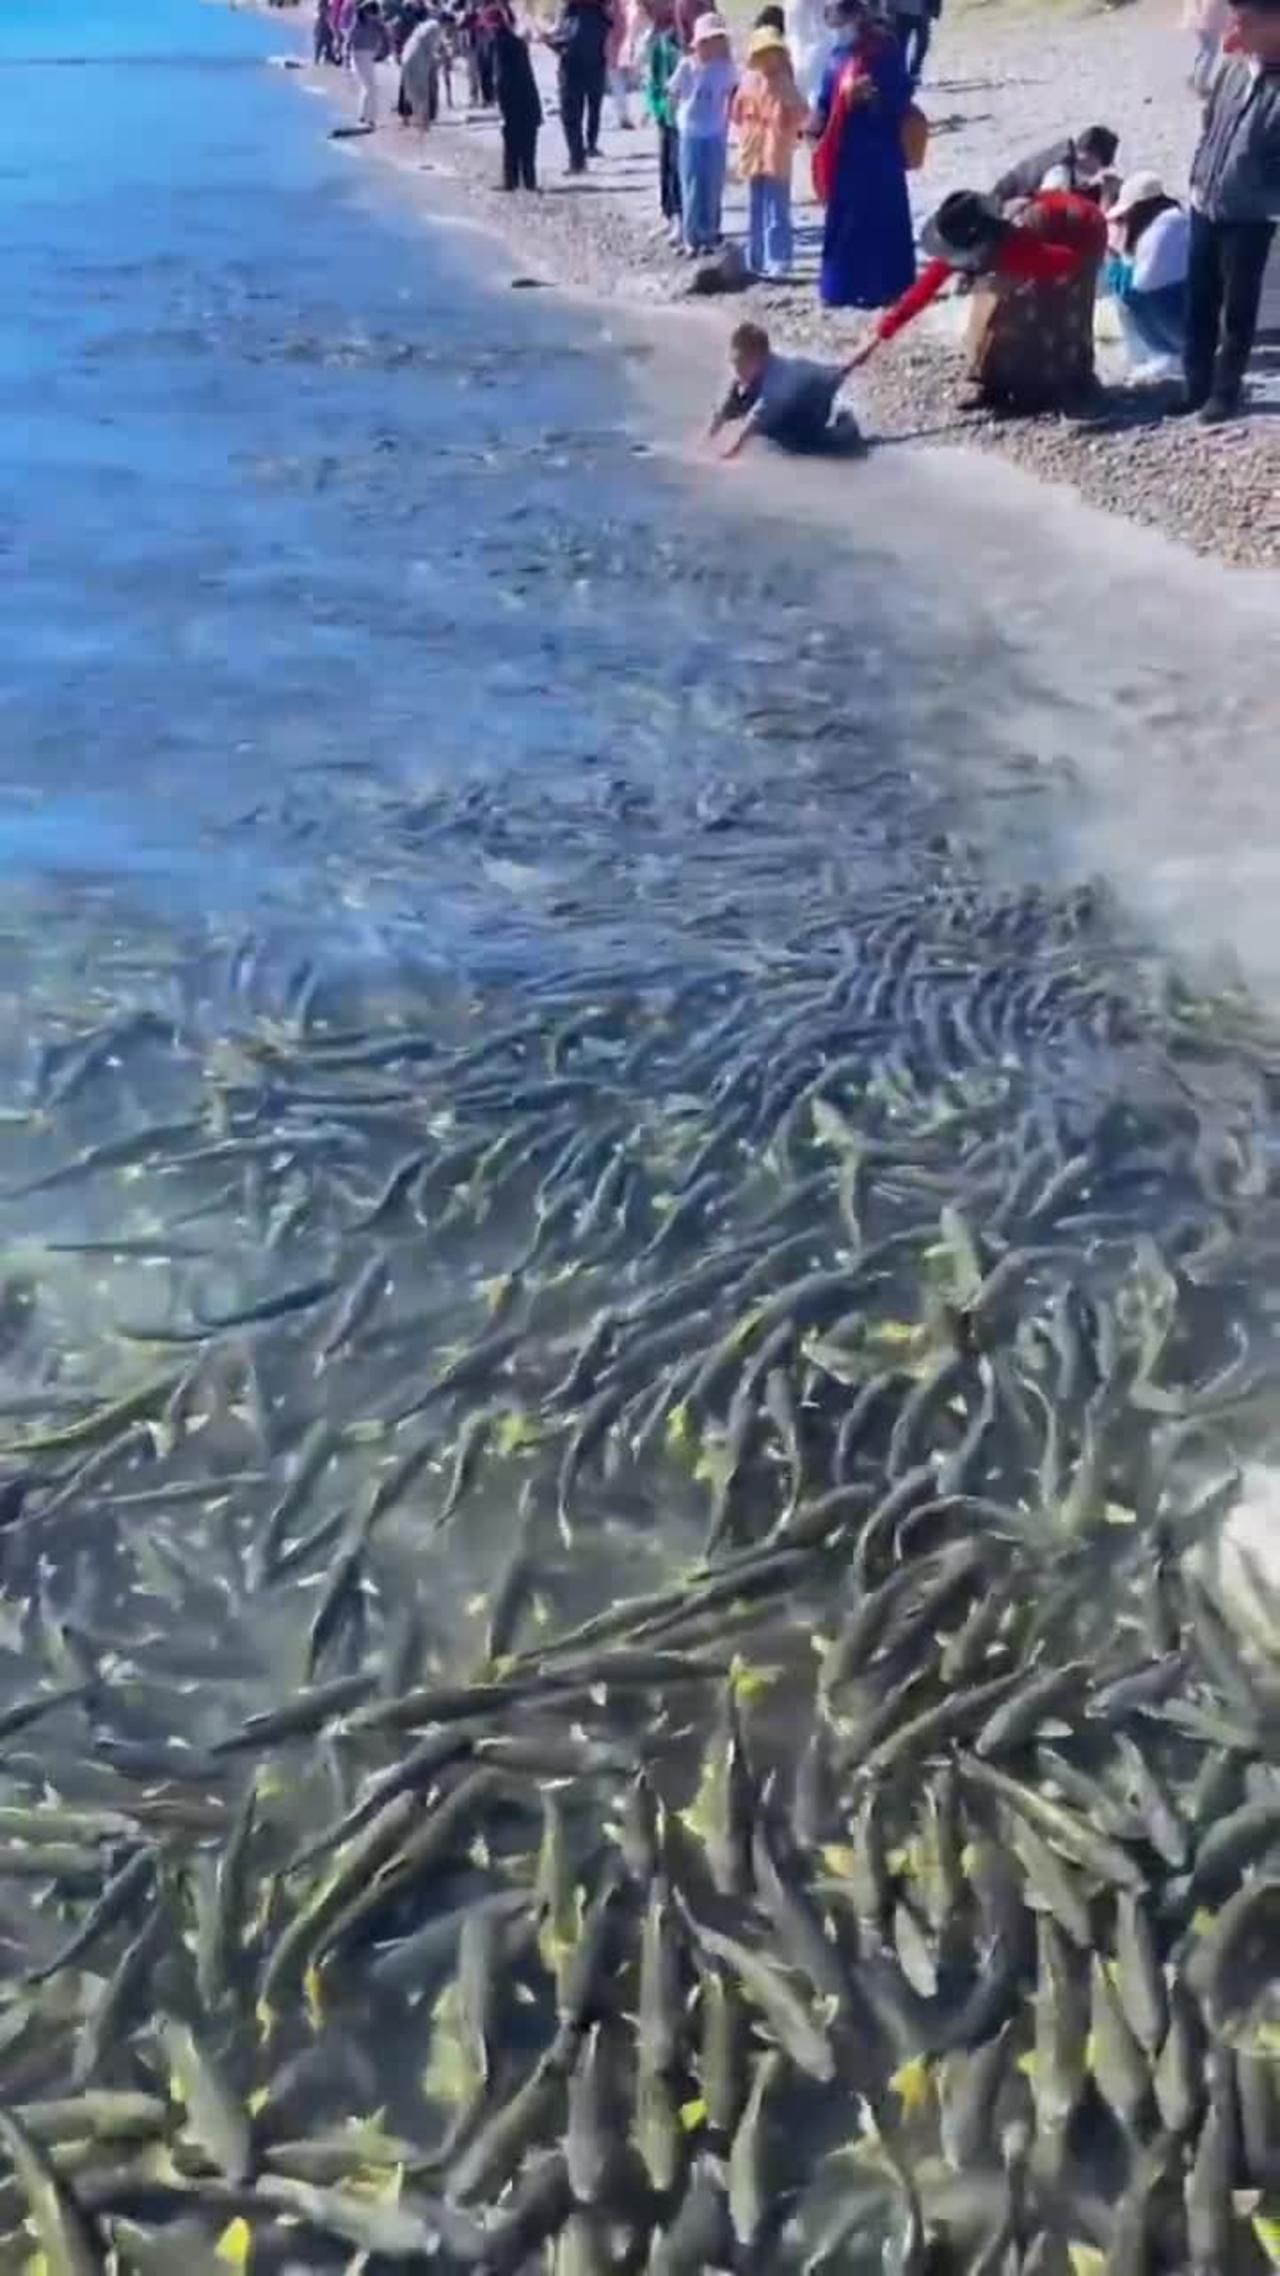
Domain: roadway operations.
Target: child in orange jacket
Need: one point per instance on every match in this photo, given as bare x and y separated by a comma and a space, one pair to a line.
769, 113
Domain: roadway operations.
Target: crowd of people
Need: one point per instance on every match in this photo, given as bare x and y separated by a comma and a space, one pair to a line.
1032, 252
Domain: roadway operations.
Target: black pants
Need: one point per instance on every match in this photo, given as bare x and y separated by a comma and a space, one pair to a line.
1224, 289
519, 154
669, 172
581, 101
595, 104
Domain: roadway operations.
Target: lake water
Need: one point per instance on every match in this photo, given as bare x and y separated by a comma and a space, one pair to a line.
297, 517
508, 949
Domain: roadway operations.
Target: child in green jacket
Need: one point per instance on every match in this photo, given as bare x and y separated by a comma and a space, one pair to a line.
664, 55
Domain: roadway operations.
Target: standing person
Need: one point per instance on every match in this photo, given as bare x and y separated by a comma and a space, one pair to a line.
810, 36
420, 72
701, 91
369, 47
327, 46
519, 104
1235, 203
579, 40
1207, 21
486, 80
349, 11
769, 113
868, 249
912, 21
1031, 314
617, 63
446, 54
664, 55
468, 36
1146, 275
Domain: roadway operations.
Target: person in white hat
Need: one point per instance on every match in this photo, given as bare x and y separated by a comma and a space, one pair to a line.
1146, 275
700, 92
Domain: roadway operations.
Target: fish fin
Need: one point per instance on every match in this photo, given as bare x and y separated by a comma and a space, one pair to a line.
912, 2083
235, 2243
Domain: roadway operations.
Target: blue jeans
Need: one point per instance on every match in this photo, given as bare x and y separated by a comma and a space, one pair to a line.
702, 166
770, 243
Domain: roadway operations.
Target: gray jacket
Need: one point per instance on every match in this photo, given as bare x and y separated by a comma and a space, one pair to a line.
1235, 174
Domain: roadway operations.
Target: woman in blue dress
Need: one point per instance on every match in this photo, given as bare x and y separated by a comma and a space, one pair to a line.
868, 252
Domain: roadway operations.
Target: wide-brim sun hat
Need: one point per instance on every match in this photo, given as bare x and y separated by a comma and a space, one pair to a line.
766, 41
963, 229
710, 27
1136, 190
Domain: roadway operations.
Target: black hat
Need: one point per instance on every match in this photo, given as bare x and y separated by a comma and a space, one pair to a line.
963, 230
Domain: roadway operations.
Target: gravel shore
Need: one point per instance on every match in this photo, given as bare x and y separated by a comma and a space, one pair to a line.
995, 89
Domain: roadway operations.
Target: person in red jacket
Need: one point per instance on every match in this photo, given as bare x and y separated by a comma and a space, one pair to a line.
1030, 338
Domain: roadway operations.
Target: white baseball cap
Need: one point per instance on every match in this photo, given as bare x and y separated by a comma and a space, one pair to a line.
1136, 189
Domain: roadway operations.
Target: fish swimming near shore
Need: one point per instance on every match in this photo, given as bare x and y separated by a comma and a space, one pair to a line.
643, 1678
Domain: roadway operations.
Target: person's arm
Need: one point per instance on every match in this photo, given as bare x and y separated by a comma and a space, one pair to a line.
739, 404
1271, 167
821, 111
913, 301
739, 443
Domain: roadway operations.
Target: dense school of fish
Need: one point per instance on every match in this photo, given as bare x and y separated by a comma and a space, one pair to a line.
614, 1652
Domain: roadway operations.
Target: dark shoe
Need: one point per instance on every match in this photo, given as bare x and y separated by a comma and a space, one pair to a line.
1219, 409
1193, 401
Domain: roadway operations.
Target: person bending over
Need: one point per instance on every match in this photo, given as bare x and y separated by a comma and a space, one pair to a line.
1030, 333
1077, 162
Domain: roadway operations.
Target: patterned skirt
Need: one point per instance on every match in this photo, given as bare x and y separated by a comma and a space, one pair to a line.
1031, 345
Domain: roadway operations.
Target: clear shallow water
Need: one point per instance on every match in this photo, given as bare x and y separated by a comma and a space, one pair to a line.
489, 1001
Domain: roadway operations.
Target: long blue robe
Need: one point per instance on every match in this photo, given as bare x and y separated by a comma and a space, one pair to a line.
868, 251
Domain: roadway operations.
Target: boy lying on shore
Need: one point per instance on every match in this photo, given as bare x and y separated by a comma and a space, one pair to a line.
787, 399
